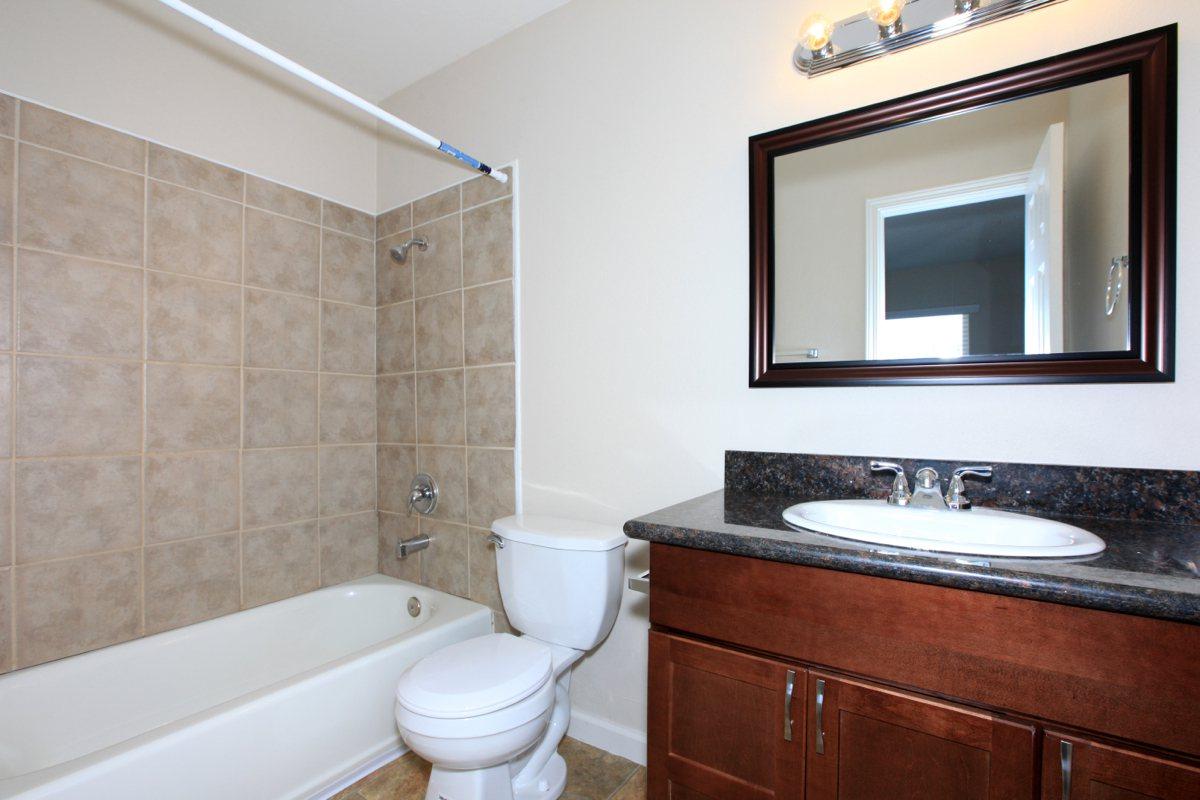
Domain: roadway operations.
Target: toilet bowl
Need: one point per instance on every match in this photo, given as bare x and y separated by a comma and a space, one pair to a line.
489, 712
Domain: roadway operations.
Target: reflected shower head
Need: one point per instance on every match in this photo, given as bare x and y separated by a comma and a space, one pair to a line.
400, 254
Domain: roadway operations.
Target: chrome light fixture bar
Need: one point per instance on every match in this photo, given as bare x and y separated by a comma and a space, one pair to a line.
826, 46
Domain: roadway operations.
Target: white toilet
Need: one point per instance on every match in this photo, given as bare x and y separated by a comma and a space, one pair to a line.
489, 712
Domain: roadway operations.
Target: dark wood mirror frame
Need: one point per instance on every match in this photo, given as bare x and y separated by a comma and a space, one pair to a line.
1149, 60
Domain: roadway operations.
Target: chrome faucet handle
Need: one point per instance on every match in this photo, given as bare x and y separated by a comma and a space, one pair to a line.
422, 495
956, 498
900, 494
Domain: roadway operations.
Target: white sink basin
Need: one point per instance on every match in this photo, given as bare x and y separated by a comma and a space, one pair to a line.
979, 531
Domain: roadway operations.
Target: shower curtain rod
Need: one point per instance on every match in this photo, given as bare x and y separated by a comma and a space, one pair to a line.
241, 40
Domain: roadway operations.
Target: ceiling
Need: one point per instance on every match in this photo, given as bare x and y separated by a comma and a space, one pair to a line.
375, 47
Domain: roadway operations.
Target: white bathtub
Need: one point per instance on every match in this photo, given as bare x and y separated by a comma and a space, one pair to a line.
289, 700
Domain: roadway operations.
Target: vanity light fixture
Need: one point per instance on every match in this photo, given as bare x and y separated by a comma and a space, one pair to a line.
888, 26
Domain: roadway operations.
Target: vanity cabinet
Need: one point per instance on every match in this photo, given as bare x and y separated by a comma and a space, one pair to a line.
1085, 769
714, 712
907, 691
868, 742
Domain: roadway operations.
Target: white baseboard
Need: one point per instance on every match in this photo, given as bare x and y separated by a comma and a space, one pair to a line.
608, 736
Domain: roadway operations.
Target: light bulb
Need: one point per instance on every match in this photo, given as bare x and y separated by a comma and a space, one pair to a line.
886, 13
816, 32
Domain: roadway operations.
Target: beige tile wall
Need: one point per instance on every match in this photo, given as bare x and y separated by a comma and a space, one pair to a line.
187, 389
447, 385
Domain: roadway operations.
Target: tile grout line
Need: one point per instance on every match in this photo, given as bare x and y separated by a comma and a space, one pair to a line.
144, 374
483, 285
320, 367
241, 466
417, 460
184, 275
198, 537
462, 299
11, 623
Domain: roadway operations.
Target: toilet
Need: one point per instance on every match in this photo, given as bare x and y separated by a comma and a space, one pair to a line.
489, 712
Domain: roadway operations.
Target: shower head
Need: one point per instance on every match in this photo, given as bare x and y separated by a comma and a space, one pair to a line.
400, 254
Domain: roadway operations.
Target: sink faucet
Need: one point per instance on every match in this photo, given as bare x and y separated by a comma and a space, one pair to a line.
928, 493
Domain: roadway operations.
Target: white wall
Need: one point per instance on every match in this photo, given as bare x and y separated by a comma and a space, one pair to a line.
140, 67
630, 120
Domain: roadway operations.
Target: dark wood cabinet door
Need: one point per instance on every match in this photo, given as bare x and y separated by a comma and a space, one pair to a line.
719, 724
867, 742
1078, 768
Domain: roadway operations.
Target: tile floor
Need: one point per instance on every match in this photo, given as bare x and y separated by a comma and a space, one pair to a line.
592, 774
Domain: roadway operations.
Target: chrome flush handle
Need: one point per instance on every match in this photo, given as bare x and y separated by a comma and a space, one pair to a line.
956, 499
901, 495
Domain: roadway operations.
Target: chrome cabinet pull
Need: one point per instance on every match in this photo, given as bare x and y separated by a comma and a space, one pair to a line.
820, 716
1064, 759
787, 705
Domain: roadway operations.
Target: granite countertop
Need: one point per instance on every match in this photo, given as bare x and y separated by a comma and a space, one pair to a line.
1149, 568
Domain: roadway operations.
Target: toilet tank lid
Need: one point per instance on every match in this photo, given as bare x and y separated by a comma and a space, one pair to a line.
558, 533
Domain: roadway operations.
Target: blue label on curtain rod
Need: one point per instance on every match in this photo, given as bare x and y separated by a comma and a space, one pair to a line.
450, 149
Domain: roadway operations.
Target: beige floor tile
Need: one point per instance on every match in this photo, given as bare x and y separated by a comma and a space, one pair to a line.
403, 779
593, 774
634, 788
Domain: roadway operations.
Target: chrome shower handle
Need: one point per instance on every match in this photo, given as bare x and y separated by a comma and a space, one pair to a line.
422, 494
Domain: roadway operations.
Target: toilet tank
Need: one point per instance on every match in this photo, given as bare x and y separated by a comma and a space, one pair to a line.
560, 579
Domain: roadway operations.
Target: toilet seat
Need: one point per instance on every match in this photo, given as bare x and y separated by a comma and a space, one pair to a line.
478, 687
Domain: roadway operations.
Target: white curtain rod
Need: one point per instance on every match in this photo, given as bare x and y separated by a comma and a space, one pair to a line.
241, 40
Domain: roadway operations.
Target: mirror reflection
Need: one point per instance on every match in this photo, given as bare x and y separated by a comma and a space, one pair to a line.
1004, 230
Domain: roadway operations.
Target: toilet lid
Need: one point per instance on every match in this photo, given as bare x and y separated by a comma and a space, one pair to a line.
475, 677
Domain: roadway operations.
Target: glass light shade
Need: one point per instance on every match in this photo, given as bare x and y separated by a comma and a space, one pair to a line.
885, 13
816, 32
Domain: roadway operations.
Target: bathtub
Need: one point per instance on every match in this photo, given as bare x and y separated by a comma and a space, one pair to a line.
288, 700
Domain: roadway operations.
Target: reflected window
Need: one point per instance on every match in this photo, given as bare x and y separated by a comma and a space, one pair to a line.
941, 336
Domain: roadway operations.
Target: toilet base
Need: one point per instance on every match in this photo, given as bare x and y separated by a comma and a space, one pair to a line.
549, 784
496, 783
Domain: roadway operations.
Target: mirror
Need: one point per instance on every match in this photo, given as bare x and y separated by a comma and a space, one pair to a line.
939, 245
986, 233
